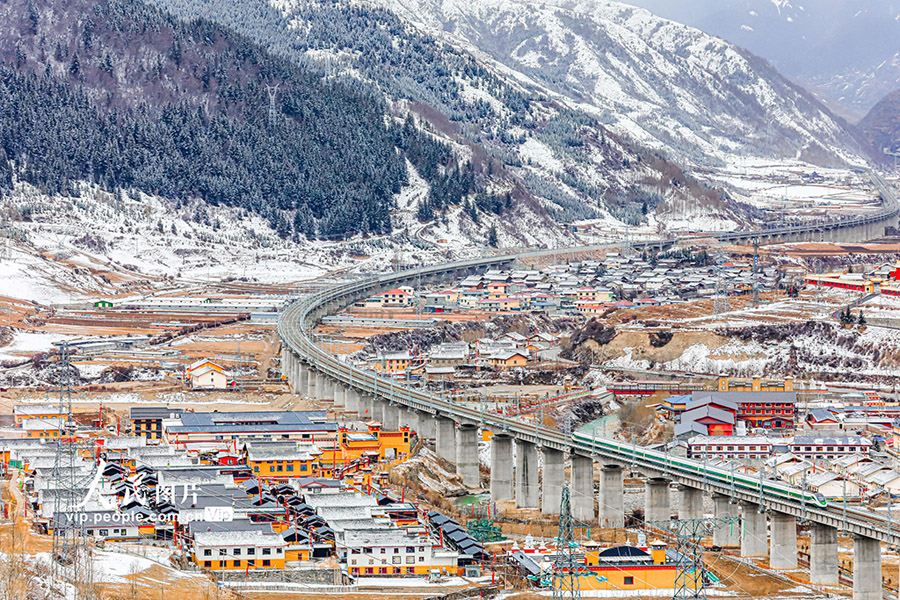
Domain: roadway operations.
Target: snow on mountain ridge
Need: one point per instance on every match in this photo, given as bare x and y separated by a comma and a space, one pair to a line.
669, 85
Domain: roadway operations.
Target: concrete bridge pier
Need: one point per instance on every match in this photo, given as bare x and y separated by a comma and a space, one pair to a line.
866, 568
582, 488
611, 500
691, 503
527, 482
823, 554
553, 478
311, 384
501, 467
467, 455
426, 426
327, 389
390, 416
727, 535
337, 391
445, 439
351, 400
366, 407
321, 383
754, 530
656, 491
783, 541
302, 384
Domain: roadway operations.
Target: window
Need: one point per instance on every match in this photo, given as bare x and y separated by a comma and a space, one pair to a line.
280, 468
237, 551
421, 559
267, 551
104, 532
236, 563
222, 552
369, 571
267, 563
396, 560
355, 551
251, 551
206, 563
396, 550
303, 468
290, 467
410, 559
628, 581
384, 550
207, 552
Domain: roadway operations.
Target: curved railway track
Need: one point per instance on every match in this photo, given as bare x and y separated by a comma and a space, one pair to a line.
296, 322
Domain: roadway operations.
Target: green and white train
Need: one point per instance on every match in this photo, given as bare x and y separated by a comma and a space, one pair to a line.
666, 463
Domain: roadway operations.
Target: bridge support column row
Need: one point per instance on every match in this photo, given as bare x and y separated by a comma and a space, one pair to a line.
783, 541
467, 455
611, 501
502, 467
527, 490
338, 391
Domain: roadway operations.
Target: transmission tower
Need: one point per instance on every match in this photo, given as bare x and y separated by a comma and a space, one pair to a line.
272, 90
71, 480
721, 304
689, 567
754, 298
567, 569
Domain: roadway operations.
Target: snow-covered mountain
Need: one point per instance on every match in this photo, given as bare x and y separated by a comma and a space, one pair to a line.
845, 49
666, 85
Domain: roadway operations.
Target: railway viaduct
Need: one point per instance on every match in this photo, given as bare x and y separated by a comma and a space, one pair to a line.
533, 475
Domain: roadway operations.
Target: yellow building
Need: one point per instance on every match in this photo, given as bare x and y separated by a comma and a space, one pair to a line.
238, 550
757, 384
631, 568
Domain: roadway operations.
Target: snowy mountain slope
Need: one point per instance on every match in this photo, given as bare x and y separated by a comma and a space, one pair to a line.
845, 49
663, 84
542, 162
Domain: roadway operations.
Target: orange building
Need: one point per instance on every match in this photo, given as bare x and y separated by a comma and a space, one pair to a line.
282, 460
508, 359
43, 428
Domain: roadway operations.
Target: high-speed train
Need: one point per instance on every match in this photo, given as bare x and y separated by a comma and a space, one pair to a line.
669, 463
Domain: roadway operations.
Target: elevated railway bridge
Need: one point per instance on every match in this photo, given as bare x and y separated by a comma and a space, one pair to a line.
770, 510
